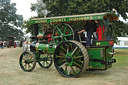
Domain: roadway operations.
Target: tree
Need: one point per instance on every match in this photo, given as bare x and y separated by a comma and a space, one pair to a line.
70, 7
9, 20
73, 7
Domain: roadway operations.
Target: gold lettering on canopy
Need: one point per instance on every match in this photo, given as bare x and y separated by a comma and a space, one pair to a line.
84, 18
91, 17
70, 19
41, 21
87, 18
58, 20
81, 18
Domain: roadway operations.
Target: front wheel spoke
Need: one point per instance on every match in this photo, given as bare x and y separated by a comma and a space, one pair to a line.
49, 60
29, 66
22, 62
30, 61
31, 58
47, 63
25, 65
23, 58
77, 64
43, 63
27, 56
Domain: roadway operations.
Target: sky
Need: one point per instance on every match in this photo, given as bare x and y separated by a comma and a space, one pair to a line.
23, 8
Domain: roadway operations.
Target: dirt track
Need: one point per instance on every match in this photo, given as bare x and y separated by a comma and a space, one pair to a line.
11, 73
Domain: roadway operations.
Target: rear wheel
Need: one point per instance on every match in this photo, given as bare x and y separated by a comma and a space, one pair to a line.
71, 58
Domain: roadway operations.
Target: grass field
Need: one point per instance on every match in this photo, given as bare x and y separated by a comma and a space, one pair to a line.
11, 73
121, 57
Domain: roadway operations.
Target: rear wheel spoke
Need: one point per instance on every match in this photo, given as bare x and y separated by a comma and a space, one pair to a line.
74, 50
77, 64
73, 70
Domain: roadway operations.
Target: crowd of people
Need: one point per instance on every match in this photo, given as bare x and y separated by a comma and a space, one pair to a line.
6, 44
3, 44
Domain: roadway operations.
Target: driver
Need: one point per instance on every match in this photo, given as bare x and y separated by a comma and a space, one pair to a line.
88, 29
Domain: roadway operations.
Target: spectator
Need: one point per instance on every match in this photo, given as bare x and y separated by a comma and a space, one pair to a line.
100, 31
2, 45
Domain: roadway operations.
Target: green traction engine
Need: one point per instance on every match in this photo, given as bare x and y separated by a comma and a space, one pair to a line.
67, 48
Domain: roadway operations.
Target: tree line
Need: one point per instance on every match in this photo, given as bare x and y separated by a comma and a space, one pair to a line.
9, 21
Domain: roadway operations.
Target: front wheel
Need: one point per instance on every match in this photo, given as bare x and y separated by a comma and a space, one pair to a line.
45, 60
71, 58
27, 61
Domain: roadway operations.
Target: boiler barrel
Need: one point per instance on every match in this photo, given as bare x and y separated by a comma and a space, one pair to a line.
45, 48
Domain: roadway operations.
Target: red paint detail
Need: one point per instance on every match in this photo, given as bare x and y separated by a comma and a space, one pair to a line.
110, 42
49, 37
66, 33
39, 36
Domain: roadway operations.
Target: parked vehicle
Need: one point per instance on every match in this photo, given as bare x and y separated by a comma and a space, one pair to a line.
71, 56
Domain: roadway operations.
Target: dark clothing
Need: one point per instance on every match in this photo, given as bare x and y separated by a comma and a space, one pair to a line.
94, 26
88, 40
87, 27
2, 45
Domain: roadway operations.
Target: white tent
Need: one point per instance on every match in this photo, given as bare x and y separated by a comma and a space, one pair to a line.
122, 42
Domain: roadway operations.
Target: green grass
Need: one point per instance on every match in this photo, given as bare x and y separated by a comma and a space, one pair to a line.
121, 57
